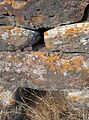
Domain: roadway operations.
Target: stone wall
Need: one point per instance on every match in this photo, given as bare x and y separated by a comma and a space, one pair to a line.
44, 45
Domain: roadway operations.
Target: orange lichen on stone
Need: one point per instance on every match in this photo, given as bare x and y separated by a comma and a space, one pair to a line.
74, 97
77, 62
45, 34
71, 64
65, 66
77, 28
48, 44
72, 31
18, 30
48, 60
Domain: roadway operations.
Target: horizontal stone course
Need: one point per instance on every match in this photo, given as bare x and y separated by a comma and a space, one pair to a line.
41, 14
70, 71
17, 38
68, 38
62, 67
38, 70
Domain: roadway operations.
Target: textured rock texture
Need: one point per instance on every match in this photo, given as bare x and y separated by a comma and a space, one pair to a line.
31, 70
15, 38
42, 13
57, 66
68, 38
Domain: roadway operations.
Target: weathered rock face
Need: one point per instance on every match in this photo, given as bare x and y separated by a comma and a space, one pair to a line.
68, 38
22, 23
43, 13
31, 70
15, 38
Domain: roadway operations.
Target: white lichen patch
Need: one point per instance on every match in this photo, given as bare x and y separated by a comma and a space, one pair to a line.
4, 66
5, 97
39, 70
79, 25
65, 73
5, 36
62, 30
52, 33
13, 32
59, 42
86, 64
84, 40
79, 94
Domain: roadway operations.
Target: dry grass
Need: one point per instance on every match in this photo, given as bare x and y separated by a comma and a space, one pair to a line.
41, 105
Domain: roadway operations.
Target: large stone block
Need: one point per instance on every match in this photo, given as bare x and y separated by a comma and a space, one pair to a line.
42, 13
15, 38
43, 71
68, 38
39, 70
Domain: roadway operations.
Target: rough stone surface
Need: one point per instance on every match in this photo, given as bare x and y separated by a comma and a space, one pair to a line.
80, 96
15, 38
48, 72
70, 71
68, 38
31, 70
41, 13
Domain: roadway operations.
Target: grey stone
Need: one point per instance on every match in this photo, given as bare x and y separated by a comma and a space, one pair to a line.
68, 38
43, 13
15, 38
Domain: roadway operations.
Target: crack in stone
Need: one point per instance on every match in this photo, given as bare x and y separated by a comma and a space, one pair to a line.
40, 44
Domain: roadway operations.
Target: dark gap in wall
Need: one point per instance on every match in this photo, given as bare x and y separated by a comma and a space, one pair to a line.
86, 14
40, 45
76, 52
7, 14
2, 24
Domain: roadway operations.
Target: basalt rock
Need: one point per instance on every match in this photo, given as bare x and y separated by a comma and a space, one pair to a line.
68, 38
15, 38
42, 13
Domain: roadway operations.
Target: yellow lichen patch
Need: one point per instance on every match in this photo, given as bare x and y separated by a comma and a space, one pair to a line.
9, 1
7, 27
18, 5
39, 54
1, 3
71, 64
14, 3
65, 66
14, 59
50, 60
48, 44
